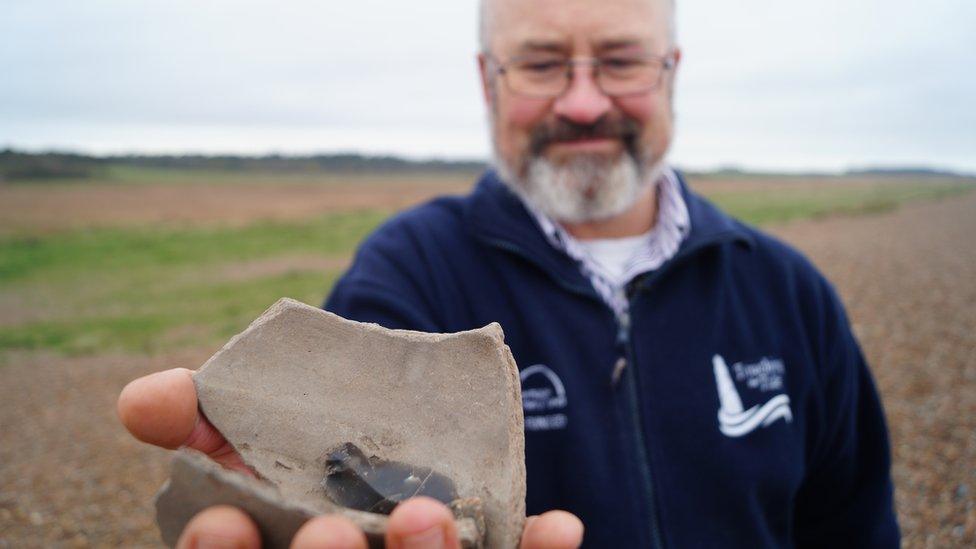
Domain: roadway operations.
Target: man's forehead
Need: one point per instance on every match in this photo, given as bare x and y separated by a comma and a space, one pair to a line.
515, 24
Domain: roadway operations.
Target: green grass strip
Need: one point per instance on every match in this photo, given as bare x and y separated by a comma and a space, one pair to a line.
151, 289
79, 253
191, 316
788, 204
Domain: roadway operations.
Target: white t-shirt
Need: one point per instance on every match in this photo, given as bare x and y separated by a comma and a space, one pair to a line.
612, 257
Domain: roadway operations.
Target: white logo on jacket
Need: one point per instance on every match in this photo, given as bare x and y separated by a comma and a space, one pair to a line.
765, 375
542, 394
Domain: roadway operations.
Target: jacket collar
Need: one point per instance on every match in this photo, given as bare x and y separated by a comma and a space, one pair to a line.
710, 225
499, 219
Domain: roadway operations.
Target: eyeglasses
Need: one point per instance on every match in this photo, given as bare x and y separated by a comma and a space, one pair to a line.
547, 75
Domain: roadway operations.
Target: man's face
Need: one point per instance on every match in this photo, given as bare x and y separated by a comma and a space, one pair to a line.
583, 155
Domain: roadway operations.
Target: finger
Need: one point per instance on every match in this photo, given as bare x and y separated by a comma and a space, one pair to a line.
552, 530
329, 532
421, 522
161, 409
219, 527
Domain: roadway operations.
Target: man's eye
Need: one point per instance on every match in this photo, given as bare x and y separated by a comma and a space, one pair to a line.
621, 62
541, 67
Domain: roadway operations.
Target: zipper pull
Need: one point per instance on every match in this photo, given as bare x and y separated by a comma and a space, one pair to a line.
623, 328
618, 371
623, 339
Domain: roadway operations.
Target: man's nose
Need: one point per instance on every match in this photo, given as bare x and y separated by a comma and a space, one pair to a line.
583, 102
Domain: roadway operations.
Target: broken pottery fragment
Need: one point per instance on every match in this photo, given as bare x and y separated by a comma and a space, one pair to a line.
339, 416
197, 483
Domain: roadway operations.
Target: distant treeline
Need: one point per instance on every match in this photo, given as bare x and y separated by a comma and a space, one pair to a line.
16, 165
21, 166
919, 171
881, 171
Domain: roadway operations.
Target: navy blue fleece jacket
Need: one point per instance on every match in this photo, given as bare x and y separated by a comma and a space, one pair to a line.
733, 408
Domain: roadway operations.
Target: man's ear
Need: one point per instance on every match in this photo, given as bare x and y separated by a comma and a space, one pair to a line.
676, 55
486, 84
676, 52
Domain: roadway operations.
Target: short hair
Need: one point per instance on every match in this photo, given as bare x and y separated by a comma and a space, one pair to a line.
484, 24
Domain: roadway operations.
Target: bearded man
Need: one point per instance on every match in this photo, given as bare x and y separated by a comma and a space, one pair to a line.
688, 381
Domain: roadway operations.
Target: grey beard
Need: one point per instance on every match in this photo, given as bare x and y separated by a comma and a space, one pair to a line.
584, 189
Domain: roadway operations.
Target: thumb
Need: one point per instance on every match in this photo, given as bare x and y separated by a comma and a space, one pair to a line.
552, 530
161, 409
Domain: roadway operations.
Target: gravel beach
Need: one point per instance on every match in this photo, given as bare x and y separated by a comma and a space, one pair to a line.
70, 475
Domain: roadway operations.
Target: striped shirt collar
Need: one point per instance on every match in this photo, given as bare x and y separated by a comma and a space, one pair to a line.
672, 227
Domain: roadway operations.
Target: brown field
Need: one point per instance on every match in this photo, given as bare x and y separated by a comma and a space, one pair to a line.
71, 476
198, 200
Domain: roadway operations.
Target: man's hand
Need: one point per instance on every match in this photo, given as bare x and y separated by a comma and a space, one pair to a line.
416, 523
161, 409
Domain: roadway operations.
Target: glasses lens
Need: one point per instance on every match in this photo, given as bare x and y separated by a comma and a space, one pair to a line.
628, 75
539, 76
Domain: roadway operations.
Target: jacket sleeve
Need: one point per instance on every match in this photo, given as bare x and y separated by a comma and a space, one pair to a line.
846, 499
384, 286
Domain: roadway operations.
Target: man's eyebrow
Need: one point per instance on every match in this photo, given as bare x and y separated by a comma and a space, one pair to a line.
542, 46
618, 43
555, 46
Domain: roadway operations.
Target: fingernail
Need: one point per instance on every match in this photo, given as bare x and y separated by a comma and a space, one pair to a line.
432, 537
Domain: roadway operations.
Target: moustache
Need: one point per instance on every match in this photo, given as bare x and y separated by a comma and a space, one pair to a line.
625, 129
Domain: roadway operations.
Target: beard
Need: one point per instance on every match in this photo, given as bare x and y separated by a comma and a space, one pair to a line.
584, 187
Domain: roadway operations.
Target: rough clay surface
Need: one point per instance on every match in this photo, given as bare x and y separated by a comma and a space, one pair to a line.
300, 381
70, 476
197, 482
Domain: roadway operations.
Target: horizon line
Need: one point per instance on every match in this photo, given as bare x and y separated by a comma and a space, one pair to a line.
851, 169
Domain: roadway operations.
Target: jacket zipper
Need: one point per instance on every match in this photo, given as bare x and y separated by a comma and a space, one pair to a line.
627, 358
625, 347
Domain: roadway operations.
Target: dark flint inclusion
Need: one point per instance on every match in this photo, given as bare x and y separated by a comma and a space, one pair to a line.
376, 485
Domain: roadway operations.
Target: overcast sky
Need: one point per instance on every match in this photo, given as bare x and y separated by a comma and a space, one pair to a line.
764, 84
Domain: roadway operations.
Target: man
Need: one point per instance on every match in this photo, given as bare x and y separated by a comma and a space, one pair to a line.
687, 380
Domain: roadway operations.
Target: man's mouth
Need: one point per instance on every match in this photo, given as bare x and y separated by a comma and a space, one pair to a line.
587, 144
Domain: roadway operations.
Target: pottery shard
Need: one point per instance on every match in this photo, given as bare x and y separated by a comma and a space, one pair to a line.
197, 483
339, 416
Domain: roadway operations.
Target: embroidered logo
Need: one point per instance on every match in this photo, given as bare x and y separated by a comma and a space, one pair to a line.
543, 395
765, 375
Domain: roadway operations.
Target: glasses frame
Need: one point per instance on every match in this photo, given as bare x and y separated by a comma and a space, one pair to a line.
667, 64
